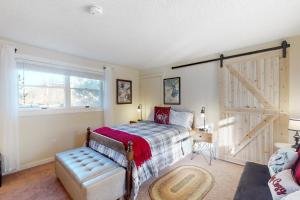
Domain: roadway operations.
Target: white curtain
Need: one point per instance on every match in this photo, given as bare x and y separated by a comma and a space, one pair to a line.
9, 135
108, 96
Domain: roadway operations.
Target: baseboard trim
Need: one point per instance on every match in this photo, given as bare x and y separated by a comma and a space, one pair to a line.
37, 163
32, 164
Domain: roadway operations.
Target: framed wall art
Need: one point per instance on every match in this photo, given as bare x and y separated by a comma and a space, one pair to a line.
124, 91
172, 91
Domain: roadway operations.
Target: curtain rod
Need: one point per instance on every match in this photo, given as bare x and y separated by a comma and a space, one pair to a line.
284, 45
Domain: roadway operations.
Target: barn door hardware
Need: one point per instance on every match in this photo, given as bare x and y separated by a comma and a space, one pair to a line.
221, 60
284, 45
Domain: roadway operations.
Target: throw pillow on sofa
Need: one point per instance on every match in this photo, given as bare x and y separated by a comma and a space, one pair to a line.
282, 159
282, 184
292, 196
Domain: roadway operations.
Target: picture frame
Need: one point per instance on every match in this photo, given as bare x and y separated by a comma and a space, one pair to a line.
124, 91
172, 91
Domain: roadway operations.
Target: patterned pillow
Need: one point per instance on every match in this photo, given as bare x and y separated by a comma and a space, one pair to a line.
292, 196
283, 159
162, 115
282, 184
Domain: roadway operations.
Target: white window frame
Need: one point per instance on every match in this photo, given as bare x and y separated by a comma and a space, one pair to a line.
68, 92
68, 68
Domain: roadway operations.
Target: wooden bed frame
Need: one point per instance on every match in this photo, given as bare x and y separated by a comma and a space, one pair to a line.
120, 148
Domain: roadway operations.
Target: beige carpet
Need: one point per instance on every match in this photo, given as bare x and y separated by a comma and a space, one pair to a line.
226, 176
40, 183
184, 182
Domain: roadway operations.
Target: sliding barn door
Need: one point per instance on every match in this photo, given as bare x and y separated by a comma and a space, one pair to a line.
254, 107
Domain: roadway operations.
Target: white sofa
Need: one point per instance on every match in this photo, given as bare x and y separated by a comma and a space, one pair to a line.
88, 175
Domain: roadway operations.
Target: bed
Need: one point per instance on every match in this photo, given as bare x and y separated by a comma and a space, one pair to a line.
168, 143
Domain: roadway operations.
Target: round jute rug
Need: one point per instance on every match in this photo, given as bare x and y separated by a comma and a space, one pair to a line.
183, 183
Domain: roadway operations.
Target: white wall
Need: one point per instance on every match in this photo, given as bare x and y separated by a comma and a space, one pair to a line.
294, 96
199, 87
123, 113
295, 76
42, 136
200, 83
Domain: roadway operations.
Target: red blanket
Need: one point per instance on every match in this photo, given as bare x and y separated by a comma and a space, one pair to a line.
141, 147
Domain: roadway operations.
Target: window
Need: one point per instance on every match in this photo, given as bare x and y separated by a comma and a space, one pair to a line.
41, 90
41, 87
85, 92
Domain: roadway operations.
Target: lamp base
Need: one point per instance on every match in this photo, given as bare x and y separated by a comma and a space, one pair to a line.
297, 138
295, 146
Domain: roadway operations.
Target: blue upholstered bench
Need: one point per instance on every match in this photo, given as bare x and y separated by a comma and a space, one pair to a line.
88, 175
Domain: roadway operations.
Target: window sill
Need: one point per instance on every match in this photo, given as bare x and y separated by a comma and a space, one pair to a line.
56, 111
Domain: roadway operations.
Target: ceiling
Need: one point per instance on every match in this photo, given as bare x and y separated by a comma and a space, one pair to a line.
148, 33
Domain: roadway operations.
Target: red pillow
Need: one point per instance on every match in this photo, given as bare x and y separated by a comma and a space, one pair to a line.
162, 115
297, 172
296, 169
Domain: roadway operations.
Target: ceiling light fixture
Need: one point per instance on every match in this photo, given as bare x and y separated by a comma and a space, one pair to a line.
95, 10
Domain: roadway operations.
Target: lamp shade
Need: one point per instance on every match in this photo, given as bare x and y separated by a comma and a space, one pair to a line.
294, 124
139, 108
202, 112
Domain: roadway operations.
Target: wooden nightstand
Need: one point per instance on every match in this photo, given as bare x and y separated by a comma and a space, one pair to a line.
132, 122
203, 141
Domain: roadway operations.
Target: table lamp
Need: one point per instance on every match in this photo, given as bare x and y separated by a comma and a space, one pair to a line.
294, 125
203, 116
139, 109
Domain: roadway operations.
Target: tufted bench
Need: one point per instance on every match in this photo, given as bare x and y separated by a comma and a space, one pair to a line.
88, 175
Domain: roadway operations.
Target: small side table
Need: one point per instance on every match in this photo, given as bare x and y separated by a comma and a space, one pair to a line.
203, 141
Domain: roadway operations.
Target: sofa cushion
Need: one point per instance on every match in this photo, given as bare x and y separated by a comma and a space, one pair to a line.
254, 183
85, 164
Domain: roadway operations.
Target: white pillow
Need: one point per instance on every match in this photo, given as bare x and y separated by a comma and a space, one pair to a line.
282, 184
151, 115
282, 159
184, 119
292, 196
